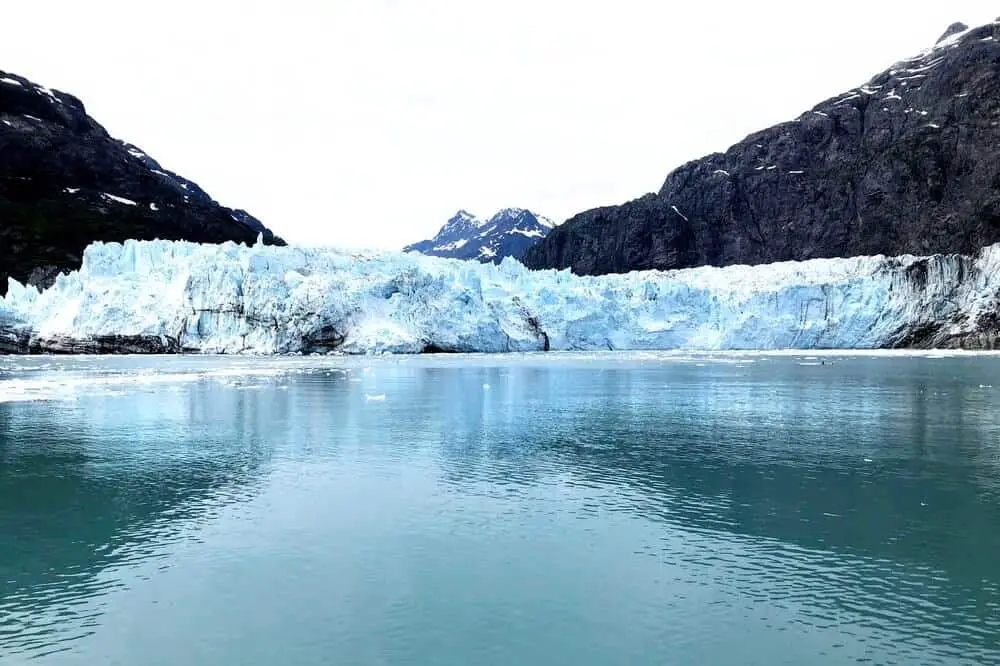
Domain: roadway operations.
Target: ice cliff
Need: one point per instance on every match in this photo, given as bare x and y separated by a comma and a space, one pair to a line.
164, 296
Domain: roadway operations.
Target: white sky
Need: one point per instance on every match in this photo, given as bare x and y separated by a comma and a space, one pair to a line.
369, 122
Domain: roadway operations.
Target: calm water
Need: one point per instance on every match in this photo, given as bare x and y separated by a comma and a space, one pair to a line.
615, 509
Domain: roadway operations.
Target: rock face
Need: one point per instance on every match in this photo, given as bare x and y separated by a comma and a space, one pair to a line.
507, 234
65, 182
908, 163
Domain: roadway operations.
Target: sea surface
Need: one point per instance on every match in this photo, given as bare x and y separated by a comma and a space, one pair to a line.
475, 510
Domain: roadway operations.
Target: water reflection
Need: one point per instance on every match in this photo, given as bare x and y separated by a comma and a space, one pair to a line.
675, 502
879, 495
106, 482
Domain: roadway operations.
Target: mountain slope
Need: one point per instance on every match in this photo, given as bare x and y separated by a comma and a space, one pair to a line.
907, 163
65, 182
507, 234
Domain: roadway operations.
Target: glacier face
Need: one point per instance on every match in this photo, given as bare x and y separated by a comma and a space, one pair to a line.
235, 299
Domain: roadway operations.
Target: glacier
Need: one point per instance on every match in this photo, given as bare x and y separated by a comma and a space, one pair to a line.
173, 296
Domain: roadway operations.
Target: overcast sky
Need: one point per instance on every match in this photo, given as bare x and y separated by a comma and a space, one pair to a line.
368, 123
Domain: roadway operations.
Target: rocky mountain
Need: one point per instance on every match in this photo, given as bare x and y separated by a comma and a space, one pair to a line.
65, 182
906, 163
507, 234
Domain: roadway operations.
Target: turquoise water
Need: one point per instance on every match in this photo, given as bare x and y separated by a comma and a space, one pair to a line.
539, 509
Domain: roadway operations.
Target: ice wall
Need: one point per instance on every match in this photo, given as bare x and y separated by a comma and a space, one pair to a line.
230, 298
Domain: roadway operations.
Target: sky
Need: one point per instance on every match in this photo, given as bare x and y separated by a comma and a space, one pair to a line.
368, 123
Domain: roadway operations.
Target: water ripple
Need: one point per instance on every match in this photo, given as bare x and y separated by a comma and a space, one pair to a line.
584, 509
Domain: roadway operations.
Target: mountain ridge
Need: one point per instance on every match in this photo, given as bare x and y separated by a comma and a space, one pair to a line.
65, 182
908, 163
508, 233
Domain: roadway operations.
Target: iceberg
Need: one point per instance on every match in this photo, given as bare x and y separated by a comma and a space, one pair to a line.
172, 296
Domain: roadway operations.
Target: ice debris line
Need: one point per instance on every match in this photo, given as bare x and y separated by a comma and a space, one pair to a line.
236, 299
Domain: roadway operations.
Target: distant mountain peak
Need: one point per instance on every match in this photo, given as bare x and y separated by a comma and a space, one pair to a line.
511, 212
463, 216
508, 233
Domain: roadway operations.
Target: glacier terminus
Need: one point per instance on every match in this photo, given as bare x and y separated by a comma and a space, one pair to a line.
174, 296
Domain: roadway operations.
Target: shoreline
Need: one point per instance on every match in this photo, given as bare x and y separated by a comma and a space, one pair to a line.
652, 354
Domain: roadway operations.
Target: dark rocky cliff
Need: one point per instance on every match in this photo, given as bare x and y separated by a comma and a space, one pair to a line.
65, 182
908, 163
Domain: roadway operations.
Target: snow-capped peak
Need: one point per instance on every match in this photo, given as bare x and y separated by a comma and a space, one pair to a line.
464, 215
510, 212
508, 233
522, 215
463, 219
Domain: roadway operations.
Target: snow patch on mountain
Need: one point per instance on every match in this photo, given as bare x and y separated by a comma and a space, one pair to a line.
235, 299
